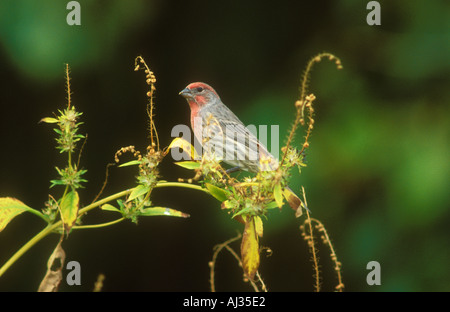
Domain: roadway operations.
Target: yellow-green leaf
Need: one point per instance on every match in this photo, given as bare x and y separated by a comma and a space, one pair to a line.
162, 211
185, 146
49, 120
258, 226
130, 163
69, 209
138, 191
218, 193
278, 195
226, 205
109, 207
188, 164
9, 209
250, 249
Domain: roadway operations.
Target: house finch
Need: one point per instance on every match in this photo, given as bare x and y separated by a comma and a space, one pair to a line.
225, 137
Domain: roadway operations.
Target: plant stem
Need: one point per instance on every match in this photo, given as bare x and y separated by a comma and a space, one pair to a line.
48, 229
51, 227
104, 201
95, 226
39, 214
181, 184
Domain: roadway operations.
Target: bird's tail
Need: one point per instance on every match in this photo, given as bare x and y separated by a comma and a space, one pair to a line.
294, 201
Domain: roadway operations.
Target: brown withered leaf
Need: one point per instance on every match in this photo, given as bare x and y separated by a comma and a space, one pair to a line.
53, 277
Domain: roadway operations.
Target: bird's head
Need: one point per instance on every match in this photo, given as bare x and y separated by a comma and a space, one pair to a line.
198, 94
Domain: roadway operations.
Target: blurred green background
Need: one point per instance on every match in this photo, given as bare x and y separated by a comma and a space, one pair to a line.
378, 165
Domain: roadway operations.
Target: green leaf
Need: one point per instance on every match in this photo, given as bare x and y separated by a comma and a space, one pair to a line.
278, 195
218, 193
188, 164
243, 211
69, 209
9, 209
162, 211
121, 204
131, 163
272, 205
138, 191
56, 182
109, 207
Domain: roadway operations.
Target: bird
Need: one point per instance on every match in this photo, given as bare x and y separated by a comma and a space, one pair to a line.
223, 136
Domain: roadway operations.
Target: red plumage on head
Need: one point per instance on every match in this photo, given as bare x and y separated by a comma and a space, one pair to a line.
198, 94
203, 85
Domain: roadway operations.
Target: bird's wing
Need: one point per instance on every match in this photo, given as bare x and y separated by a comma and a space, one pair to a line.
235, 144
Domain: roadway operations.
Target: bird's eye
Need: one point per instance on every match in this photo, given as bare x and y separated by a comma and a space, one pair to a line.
199, 89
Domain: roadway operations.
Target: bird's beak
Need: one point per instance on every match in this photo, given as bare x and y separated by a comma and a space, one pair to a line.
186, 93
